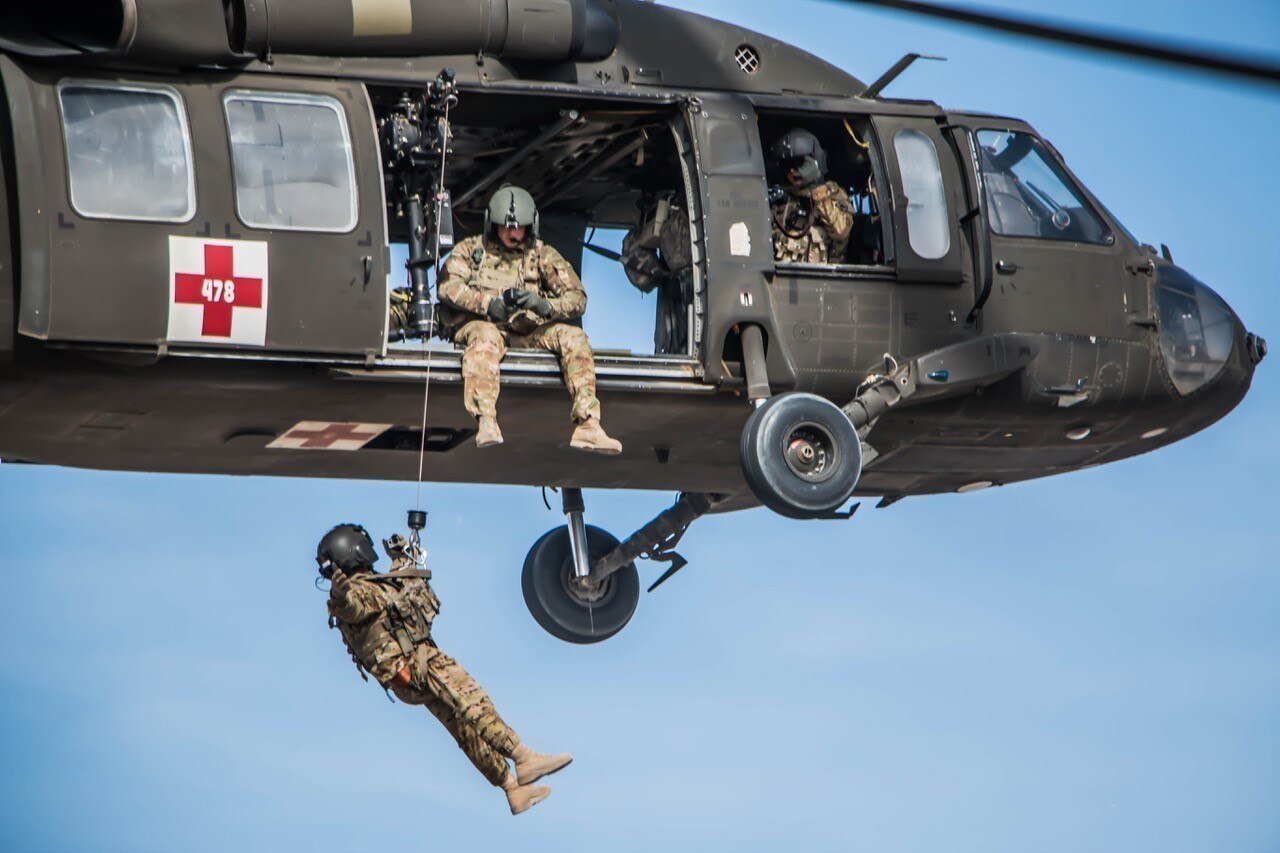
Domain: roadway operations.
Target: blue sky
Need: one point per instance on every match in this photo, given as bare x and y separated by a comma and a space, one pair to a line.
1089, 662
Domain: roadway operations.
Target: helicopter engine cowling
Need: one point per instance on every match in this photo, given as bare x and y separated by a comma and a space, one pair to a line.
217, 32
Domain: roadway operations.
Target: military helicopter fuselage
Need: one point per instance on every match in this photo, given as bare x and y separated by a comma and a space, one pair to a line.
195, 256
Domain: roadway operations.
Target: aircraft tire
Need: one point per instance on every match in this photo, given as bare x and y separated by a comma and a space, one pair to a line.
562, 611
801, 455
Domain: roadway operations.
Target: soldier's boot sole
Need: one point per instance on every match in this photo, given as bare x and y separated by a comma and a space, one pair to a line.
539, 766
525, 797
488, 434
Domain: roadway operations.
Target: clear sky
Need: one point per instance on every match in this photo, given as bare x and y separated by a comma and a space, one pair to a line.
1089, 662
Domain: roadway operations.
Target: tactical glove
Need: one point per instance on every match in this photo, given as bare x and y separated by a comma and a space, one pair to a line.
498, 310
777, 195
340, 584
530, 300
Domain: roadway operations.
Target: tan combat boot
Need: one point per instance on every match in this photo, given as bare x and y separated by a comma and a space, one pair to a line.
489, 434
591, 437
521, 798
532, 766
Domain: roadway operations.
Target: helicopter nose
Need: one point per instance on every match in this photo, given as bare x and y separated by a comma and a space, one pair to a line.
1202, 340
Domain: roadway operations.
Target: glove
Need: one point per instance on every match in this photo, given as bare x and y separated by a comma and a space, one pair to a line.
530, 300
340, 584
810, 172
777, 195
498, 310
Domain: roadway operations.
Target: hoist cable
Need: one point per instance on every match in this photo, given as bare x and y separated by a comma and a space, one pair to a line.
431, 315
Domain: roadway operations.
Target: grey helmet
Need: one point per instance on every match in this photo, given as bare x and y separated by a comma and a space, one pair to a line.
347, 547
798, 148
513, 207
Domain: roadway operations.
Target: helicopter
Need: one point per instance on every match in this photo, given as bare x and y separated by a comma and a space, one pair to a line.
202, 197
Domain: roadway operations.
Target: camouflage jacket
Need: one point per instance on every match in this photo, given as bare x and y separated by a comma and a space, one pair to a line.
481, 268
383, 619
826, 236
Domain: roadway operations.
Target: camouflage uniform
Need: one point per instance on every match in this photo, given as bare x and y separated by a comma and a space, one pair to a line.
385, 622
480, 269
826, 238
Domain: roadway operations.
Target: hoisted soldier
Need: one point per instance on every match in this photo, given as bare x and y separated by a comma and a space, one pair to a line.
812, 216
657, 255
506, 288
385, 621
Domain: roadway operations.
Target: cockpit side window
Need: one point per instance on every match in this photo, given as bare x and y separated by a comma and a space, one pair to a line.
1029, 194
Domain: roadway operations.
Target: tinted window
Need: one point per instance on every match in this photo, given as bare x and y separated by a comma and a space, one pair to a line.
928, 226
292, 159
1196, 329
1030, 195
128, 153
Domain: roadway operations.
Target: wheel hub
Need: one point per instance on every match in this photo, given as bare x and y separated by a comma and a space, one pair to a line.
810, 452
584, 590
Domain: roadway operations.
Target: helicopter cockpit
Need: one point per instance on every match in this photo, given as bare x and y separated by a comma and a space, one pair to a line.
1029, 195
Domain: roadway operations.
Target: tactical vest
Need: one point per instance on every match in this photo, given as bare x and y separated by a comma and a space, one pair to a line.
381, 645
500, 274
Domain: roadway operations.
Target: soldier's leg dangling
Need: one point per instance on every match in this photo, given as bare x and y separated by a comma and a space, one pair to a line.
484, 348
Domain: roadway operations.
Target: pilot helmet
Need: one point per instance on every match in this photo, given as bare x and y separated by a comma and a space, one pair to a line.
513, 207
347, 547
800, 149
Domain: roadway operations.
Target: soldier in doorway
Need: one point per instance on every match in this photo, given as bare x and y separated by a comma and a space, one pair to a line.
657, 255
385, 621
812, 216
506, 288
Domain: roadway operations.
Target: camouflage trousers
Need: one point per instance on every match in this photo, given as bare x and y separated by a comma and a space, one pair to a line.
485, 345
456, 700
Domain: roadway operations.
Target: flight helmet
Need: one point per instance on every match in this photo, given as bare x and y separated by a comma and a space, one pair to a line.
513, 207
347, 547
800, 149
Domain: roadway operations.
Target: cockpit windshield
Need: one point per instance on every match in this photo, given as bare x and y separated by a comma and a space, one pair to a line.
1030, 195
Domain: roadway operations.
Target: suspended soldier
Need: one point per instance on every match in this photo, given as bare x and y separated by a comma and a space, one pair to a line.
506, 288
812, 216
385, 621
657, 255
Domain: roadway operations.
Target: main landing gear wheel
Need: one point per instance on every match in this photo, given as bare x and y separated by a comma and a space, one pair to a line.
801, 455
571, 609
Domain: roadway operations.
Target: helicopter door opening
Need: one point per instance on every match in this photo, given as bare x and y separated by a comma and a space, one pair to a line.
611, 181
854, 164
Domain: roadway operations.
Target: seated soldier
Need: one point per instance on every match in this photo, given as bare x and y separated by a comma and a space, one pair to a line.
812, 217
506, 288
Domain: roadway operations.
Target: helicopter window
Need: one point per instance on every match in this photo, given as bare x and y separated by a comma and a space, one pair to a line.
854, 166
927, 221
1030, 195
293, 165
128, 136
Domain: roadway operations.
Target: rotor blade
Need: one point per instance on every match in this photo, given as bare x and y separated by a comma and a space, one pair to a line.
1257, 69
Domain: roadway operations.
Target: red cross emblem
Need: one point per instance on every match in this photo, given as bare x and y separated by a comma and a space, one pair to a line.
210, 281
324, 435
219, 290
